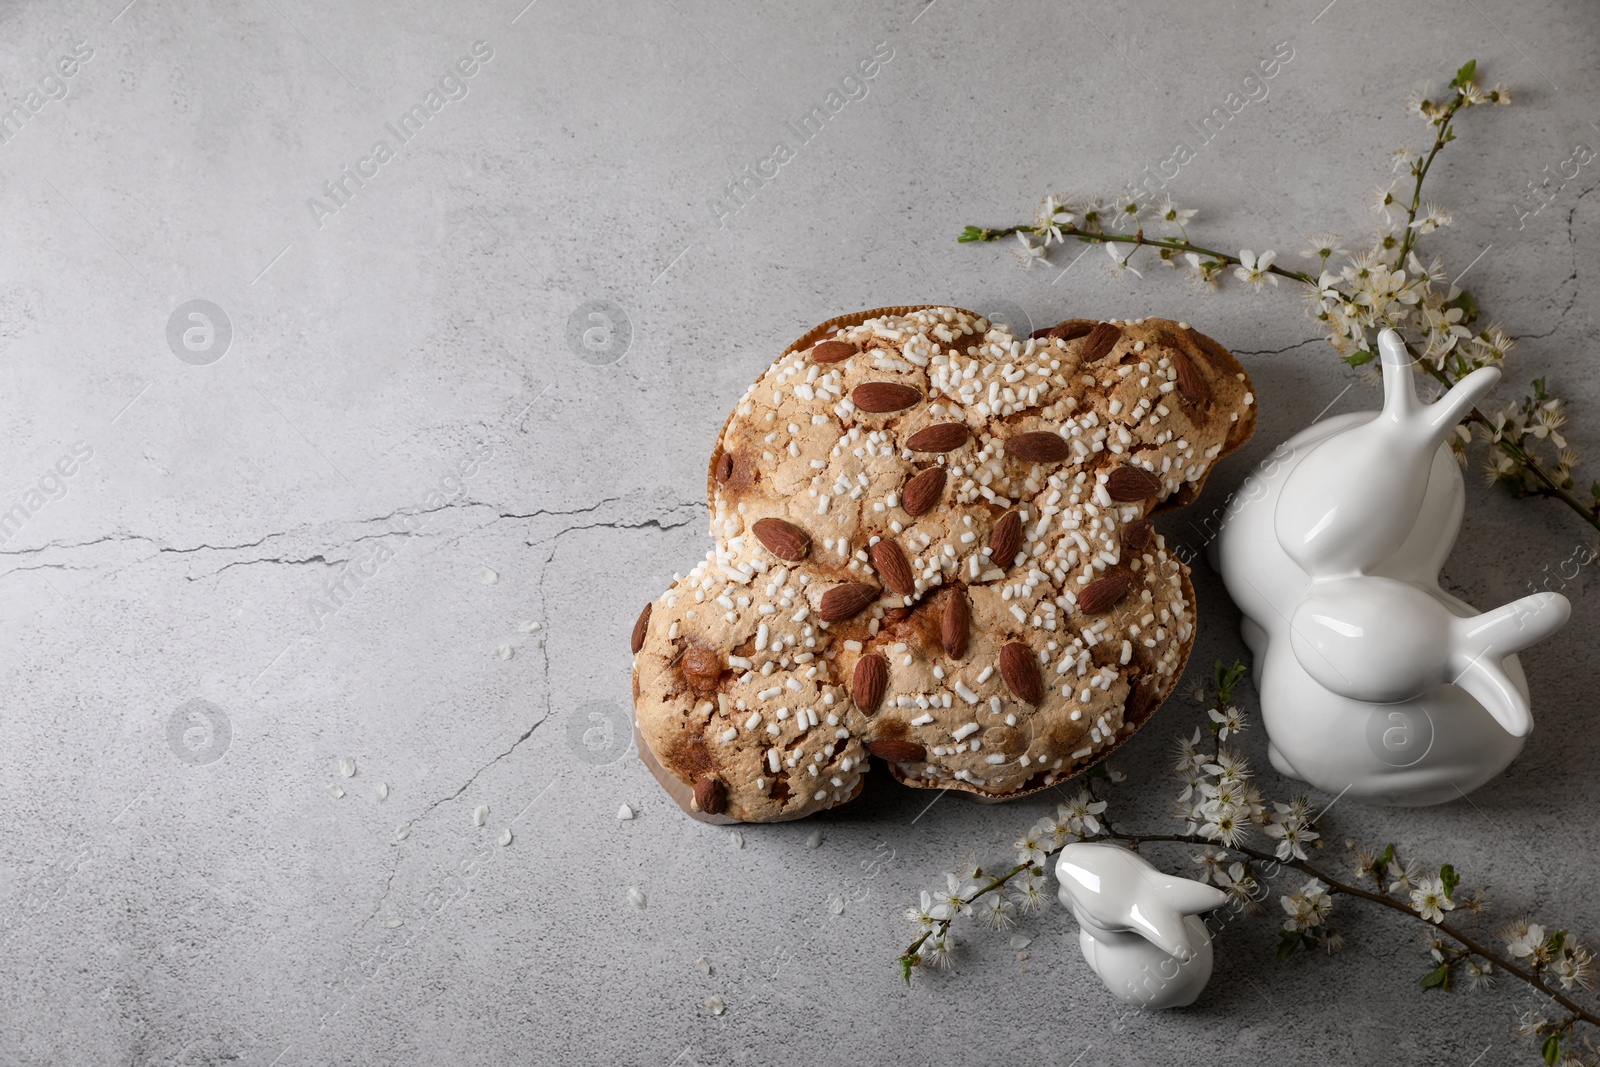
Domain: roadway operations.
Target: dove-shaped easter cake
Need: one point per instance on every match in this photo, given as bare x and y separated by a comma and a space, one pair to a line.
933, 549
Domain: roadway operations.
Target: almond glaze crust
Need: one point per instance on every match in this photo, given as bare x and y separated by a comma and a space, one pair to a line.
932, 549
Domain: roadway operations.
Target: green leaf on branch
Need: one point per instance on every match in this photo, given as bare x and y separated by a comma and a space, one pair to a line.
1551, 1050
1360, 357
1467, 304
1288, 941
1292, 941
1380, 866
906, 963
1438, 978
1468, 70
1225, 678
1448, 876
970, 234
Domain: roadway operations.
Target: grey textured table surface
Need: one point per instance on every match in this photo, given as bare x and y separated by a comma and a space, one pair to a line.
291, 524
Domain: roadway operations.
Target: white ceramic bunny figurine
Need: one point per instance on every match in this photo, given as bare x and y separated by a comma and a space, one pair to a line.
1138, 928
1372, 678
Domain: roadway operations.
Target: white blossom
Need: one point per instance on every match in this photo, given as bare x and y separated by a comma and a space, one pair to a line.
1189, 756
1525, 939
1307, 907
1253, 268
1030, 848
1574, 967
1030, 252
1031, 889
1402, 878
997, 912
1078, 814
1428, 899
1167, 211
1120, 253
1430, 218
1292, 837
938, 951
1229, 719
1214, 864
926, 913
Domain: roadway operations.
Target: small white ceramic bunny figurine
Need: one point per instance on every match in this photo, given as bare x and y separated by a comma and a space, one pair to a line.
1372, 678
1138, 928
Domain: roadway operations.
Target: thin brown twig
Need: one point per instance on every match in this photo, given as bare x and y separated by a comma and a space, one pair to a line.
1473, 946
1440, 139
1470, 944
1547, 486
1174, 244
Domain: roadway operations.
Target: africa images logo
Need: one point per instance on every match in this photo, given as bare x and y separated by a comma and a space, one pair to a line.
1253, 89
51, 87
755, 177
50, 486
452, 85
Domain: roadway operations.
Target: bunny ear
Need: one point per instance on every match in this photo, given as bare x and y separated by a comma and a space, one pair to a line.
1163, 927
1193, 898
1454, 405
1399, 390
1482, 643
1400, 403
1159, 912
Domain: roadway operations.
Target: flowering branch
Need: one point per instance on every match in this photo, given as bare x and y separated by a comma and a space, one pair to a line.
1470, 946
1138, 239
1387, 286
1220, 809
